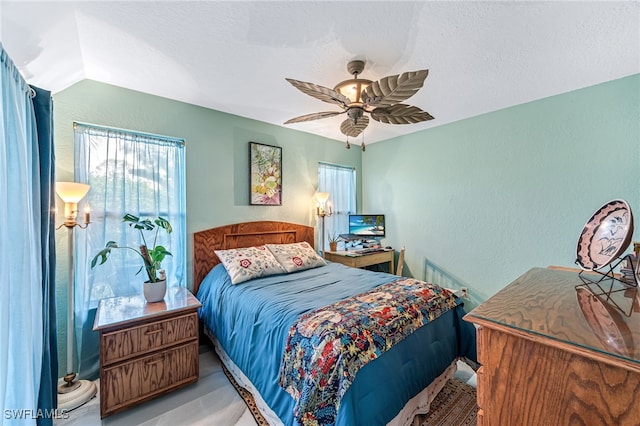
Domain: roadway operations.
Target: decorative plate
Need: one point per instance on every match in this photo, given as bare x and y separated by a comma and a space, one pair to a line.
606, 235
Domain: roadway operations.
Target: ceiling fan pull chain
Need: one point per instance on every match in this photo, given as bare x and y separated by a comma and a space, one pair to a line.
348, 145
362, 145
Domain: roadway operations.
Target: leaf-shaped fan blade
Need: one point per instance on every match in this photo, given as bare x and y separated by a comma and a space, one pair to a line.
320, 92
394, 89
400, 114
314, 116
349, 128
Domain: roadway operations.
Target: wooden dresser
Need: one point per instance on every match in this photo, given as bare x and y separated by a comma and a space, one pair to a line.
554, 355
146, 349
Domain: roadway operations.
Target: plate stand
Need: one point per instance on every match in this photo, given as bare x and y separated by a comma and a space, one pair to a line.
597, 281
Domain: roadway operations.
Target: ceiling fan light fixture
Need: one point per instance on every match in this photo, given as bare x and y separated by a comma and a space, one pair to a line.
353, 89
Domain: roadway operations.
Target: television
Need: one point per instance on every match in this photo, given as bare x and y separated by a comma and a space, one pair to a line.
367, 225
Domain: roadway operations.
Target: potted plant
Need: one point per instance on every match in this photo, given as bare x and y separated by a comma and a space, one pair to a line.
156, 286
334, 239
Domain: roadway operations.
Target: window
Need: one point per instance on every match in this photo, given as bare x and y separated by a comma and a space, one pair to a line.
134, 173
340, 182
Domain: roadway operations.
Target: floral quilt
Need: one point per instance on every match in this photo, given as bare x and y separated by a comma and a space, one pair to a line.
326, 347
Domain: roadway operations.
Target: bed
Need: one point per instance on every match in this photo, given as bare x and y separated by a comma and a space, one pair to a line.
254, 327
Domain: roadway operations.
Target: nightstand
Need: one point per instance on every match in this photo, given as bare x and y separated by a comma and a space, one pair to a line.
146, 349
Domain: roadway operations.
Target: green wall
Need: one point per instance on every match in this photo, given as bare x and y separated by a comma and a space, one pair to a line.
216, 162
487, 198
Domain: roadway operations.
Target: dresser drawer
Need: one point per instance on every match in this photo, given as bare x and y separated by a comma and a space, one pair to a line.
123, 344
131, 382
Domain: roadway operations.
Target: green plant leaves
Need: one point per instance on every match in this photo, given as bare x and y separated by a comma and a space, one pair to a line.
156, 254
164, 224
104, 253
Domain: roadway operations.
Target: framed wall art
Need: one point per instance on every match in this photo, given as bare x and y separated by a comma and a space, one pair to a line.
265, 174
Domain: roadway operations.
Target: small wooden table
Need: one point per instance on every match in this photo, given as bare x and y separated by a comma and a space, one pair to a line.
355, 260
146, 349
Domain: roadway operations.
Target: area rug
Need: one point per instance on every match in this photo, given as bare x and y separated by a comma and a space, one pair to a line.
455, 405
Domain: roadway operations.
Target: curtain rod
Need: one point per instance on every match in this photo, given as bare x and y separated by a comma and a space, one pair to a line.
341, 166
131, 132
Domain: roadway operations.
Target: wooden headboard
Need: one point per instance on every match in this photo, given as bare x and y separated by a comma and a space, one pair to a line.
238, 235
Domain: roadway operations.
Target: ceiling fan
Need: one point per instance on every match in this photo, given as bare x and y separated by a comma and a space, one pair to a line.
381, 99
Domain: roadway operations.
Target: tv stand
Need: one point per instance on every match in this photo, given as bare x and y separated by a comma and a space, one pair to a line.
361, 260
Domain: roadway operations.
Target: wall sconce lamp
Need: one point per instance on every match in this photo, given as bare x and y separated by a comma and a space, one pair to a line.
322, 210
72, 393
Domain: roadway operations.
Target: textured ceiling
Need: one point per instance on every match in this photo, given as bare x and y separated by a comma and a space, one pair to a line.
234, 56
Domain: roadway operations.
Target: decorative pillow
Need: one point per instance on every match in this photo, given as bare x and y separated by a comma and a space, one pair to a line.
244, 264
296, 257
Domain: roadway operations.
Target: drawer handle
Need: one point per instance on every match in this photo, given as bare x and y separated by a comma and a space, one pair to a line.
148, 332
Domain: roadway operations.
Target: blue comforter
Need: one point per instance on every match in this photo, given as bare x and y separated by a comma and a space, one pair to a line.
251, 321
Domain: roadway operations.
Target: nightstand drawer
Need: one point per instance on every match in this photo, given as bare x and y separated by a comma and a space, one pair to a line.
143, 378
123, 344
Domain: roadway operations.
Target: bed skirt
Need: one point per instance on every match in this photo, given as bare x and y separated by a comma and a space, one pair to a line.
419, 404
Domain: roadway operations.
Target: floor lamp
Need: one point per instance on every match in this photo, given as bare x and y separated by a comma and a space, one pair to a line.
322, 210
73, 393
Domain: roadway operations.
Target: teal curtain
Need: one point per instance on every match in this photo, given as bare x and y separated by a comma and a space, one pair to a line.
22, 251
129, 172
43, 109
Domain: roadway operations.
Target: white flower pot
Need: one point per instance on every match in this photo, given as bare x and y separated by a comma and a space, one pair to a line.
154, 292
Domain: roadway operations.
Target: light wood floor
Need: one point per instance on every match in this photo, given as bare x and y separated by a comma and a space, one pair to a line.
210, 401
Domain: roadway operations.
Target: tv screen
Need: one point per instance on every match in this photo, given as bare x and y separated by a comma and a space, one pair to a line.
366, 225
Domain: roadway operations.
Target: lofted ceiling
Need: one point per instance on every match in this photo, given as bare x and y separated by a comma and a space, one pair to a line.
234, 56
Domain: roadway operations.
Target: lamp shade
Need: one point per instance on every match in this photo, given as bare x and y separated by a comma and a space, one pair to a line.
322, 197
71, 192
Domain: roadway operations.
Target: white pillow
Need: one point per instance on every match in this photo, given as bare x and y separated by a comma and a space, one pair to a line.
296, 256
244, 264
